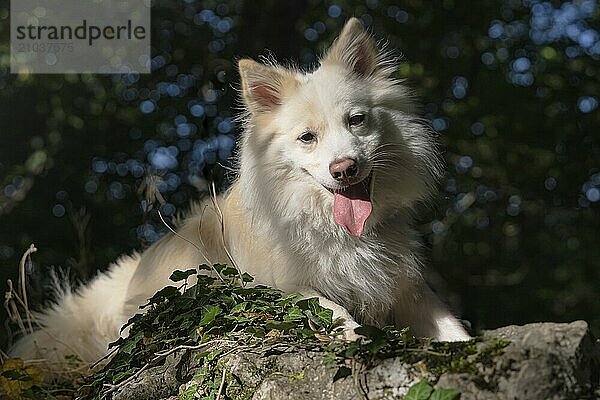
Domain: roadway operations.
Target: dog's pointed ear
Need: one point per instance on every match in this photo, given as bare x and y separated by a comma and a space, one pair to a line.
263, 86
355, 49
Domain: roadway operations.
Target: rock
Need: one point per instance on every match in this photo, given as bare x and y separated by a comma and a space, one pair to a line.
157, 383
541, 361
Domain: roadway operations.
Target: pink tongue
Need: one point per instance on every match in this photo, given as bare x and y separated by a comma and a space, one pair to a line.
352, 207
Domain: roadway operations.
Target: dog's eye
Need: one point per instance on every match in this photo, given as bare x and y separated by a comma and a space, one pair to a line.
356, 119
307, 137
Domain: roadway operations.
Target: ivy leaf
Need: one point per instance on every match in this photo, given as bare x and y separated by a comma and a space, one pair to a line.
178, 275
342, 372
318, 314
293, 314
279, 325
352, 349
445, 394
419, 391
122, 375
239, 307
165, 293
213, 354
229, 271
324, 316
305, 333
189, 393
204, 267
329, 358
131, 343
289, 299
371, 332
256, 331
210, 315
306, 304
219, 267
379, 337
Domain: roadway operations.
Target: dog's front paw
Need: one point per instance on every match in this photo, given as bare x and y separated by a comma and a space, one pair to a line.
451, 330
343, 323
350, 336
346, 329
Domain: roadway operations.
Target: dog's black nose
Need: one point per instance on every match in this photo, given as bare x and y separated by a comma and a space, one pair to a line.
343, 169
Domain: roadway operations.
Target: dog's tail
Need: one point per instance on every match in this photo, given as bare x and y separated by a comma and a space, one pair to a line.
81, 323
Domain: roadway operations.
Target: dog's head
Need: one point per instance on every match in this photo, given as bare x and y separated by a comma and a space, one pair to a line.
342, 135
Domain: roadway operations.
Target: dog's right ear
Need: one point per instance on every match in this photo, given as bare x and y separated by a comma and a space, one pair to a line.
264, 87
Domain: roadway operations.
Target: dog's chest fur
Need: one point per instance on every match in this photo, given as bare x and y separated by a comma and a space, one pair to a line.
362, 274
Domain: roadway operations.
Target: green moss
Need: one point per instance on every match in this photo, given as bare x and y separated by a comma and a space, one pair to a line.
189, 393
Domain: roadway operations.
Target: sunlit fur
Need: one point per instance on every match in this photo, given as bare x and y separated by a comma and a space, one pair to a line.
81, 323
276, 221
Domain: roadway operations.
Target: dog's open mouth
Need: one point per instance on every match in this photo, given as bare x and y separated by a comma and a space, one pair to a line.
352, 206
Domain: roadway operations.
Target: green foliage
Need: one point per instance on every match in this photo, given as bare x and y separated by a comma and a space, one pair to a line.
424, 391
20, 381
419, 391
434, 357
209, 312
216, 316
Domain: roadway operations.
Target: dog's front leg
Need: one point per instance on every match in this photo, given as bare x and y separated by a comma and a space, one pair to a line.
340, 314
421, 310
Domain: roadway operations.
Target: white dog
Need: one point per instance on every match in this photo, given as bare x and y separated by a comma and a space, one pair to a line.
331, 164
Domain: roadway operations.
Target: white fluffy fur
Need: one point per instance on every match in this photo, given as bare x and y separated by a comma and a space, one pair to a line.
83, 322
277, 217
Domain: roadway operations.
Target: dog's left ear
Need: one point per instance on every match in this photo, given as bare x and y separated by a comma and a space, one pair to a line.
355, 49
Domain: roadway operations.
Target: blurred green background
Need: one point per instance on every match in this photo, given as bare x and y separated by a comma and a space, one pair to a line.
512, 87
